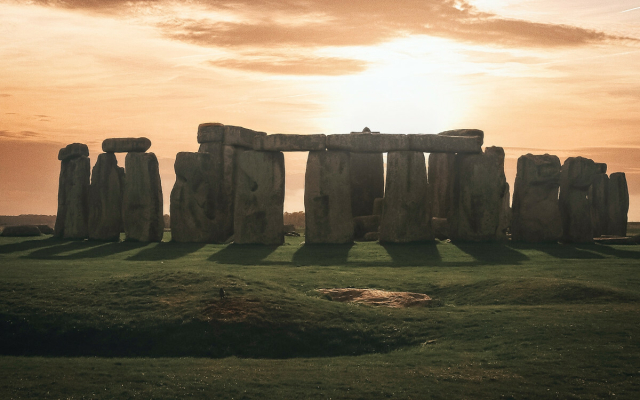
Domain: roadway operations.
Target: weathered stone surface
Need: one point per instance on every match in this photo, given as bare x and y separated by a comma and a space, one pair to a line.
598, 194
443, 144
504, 220
214, 148
142, 199
602, 167
440, 228
21, 231
126, 145
441, 183
476, 133
45, 229
259, 198
73, 199
105, 199
618, 201
478, 203
406, 214
536, 212
575, 207
377, 206
199, 205
73, 150
282, 142
368, 143
371, 237
327, 198
365, 224
210, 132
239, 136
367, 182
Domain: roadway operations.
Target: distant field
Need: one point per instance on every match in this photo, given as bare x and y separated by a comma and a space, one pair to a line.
124, 320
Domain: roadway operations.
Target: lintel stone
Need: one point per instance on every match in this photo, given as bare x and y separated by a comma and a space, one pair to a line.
283, 142
126, 145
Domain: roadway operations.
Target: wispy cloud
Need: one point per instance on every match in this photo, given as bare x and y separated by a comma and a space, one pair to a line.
631, 9
20, 135
331, 66
5, 95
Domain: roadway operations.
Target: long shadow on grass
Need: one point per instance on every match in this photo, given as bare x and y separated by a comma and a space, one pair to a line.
322, 254
492, 253
631, 253
563, 251
53, 252
242, 254
166, 251
30, 245
413, 254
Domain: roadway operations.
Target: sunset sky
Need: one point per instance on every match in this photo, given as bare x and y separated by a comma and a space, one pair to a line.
538, 76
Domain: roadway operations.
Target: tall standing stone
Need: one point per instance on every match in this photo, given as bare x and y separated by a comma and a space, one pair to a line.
598, 195
200, 209
142, 200
327, 193
618, 202
73, 193
105, 199
536, 212
479, 196
575, 206
259, 202
367, 179
406, 212
441, 183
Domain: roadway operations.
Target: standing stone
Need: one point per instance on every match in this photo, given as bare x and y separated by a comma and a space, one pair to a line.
365, 224
479, 196
73, 193
598, 193
327, 195
536, 212
406, 212
367, 178
142, 200
504, 220
259, 202
575, 206
441, 183
105, 199
377, 206
618, 199
199, 205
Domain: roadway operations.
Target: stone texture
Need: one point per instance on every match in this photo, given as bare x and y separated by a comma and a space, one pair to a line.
73, 199
259, 201
575, 207
327, 198
505, 217
377, 206
441, 182
536, 212
45, 229
367, 182
210, 132
365, 224
105, 199
368, 143
200, 209
239, 136
475, 133
21, 231
440, 228
444, 144
371, 237
126, 145
602, 167
142, 199
598, 193
618, 202
480, 189
72, 151
281, 142
406, 214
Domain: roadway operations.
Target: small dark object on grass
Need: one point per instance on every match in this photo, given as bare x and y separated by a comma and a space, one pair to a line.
292, 234
223, 294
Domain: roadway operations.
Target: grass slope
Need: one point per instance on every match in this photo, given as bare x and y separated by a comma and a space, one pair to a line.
124, 320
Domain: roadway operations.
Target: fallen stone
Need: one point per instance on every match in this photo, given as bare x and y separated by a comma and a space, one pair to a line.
327, 198
281, 142
475, 133
105, 199
371, 237
126, 145
45, 229
441, 183
259, 198
443, 144
210, 132
21, 231
479, 194
598, 193
365, 224
368, 143
73, 150
575, 206
406, 214
536, 211
618, 202
72, 219
142, 199
377, 206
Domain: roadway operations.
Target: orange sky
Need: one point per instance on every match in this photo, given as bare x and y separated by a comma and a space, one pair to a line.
537, 76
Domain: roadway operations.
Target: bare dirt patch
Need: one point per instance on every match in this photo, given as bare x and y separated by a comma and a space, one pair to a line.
378, 297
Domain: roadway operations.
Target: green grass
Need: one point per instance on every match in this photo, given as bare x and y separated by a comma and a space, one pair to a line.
124, 320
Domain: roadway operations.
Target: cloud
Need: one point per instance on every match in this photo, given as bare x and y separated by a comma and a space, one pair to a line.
5, 95
20, 135
295, 66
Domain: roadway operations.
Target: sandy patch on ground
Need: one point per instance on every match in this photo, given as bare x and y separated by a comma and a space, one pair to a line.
378, 297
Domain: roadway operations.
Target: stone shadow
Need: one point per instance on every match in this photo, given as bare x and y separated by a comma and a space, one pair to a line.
242, 254
53, 252
322, 254
557, 250
30, 245
166, 251
496, 253
613, 251
413, 254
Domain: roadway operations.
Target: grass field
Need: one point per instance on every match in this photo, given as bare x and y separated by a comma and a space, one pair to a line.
130, 320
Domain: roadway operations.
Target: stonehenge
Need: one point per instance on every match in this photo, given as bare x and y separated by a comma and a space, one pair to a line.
232, 190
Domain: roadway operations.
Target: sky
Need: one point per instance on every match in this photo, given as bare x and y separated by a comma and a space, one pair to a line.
538, 76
